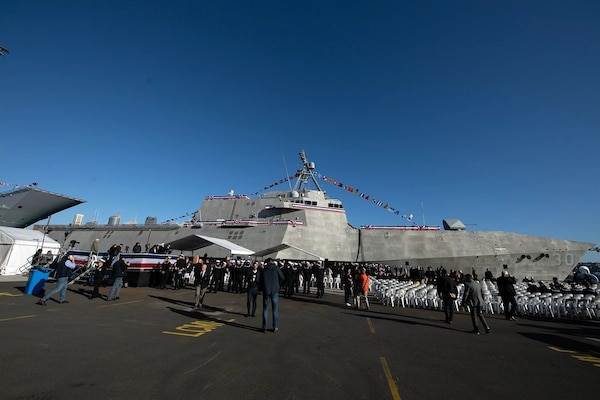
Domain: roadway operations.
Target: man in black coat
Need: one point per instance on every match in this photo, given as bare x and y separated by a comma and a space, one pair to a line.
448, 291
201, 282
270, 280
507, 292
306, 275
319, 272
98, 277
165, 271
288, 273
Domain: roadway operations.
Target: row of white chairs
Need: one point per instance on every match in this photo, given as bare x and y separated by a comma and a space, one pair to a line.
553, 305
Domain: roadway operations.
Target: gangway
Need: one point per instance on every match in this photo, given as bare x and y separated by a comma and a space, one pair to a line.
84, 271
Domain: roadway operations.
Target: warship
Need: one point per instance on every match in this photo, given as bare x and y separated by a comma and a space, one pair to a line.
304, 223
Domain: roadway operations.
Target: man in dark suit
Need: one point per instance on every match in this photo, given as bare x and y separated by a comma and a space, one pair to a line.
201, 282
319, 273
271, 278
288, 273
447, 290
253, 279
219, 276
507, 291
306, 275
165, 271
98, 277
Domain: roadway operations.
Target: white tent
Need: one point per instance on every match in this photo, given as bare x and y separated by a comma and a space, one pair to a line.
17, 246
195, 242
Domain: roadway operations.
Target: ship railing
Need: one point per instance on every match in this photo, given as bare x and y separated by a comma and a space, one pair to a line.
400, 227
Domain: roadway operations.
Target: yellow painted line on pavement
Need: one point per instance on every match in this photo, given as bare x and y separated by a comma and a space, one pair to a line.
15, 318
119, 303
370, 323
561, 350
594, 360
8, 294
390, 380
197, 328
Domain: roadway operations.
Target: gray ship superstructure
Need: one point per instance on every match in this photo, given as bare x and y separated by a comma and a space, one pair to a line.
303, 223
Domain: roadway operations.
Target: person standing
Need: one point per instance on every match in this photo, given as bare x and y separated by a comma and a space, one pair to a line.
230, 267
296, 276
348, 281
178, 272
137, 247
165, 270
319, 272
219, 277
306, 275
98, 277
270, 280
507, 292
448, 291
201, 282
95, 248
112, 254
253, 279
362, 287
63, 271
189, 268
238, 276
288, 273
36, 257
118, 272
473, 297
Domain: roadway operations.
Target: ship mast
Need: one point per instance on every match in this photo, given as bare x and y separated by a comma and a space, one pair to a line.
305, 174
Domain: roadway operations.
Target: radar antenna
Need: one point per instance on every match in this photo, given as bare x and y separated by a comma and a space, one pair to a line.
306, 173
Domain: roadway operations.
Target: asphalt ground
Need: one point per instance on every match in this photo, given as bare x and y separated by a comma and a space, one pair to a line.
151, 344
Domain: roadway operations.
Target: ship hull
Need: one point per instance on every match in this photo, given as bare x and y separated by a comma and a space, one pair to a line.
524, 255
306, 224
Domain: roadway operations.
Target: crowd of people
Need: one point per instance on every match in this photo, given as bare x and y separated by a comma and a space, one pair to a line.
238, 275
287, 277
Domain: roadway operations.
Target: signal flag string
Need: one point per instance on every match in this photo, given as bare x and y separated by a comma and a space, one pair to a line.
334, 182
18, 185
367, 197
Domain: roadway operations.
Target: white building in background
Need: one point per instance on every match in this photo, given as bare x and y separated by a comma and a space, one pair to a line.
78, 219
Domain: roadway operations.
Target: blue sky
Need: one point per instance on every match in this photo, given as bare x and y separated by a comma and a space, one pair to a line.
486, 111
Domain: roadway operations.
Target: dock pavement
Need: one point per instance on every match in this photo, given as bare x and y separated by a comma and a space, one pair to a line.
152, 344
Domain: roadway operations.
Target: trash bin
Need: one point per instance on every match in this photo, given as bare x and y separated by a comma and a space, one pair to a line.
37, 280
